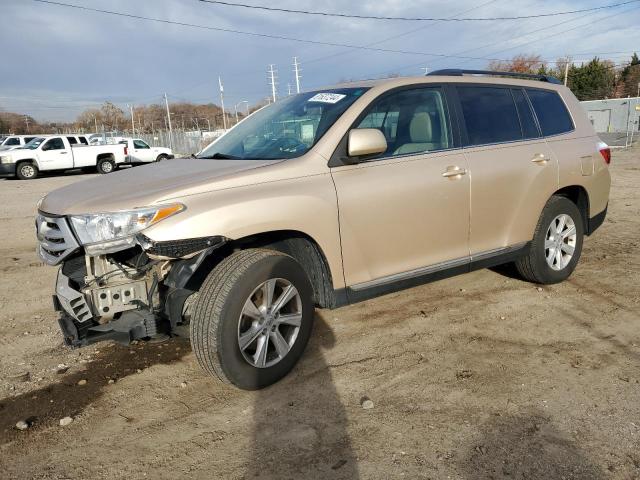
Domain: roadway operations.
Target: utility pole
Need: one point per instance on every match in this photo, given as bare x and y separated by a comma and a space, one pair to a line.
224, 116
166, 102
426, 70
95, 122
133, 126
637, 122
26, 120
296, 71
272, 81
566, 72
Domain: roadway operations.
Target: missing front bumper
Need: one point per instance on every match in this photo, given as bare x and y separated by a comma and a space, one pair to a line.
134, 325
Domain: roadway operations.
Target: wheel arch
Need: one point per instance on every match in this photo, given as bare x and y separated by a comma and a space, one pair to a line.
578, 195
106, 156
297, 244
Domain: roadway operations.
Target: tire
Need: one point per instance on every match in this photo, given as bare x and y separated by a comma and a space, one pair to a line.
219, 322
105, 166
27, 171
542, 265
161, 157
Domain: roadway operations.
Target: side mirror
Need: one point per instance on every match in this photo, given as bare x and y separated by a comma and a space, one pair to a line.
366, 141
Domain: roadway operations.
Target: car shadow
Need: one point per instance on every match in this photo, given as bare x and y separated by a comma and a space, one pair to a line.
44, 407
300, 424
523, 447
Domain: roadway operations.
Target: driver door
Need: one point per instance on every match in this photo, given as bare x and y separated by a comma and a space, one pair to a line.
55, 155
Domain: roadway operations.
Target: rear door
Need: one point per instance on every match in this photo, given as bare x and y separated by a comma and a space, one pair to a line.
55, 154
513, 170
405, 213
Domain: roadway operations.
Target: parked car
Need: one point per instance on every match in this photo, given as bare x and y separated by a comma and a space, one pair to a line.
58, 153
15, 141
323, 199
141, 152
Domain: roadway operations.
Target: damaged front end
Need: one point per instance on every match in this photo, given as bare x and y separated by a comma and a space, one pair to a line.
123, 289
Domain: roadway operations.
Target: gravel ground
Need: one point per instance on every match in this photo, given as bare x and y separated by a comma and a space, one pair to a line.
478, 376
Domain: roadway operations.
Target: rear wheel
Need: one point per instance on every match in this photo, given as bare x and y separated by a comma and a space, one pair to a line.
252, 319
557, 243
105, 165
26, 171
161, 157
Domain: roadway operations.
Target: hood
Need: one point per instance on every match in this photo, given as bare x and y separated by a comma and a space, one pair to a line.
147, 185
17, 153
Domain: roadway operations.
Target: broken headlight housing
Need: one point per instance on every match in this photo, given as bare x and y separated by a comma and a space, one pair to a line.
102, 233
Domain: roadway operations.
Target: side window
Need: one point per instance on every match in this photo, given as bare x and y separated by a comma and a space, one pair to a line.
83, 140
489, 114
140, 144
28, 139
54, 144
413, 121
527, 120
72, 140
551, 111
12, 141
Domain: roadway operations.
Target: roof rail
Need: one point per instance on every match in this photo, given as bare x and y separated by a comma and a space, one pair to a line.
458, 72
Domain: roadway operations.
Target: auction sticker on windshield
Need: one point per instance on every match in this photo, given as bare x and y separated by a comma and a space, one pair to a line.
327, 97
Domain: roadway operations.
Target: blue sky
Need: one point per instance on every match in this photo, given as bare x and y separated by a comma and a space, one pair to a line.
58, 61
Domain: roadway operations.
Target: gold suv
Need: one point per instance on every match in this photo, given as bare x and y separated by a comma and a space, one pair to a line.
323, 199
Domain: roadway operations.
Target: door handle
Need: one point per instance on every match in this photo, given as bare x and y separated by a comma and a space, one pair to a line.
540, 159
63, 153
454, 172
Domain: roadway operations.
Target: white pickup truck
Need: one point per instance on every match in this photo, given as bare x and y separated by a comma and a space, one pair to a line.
57, 153
141, 152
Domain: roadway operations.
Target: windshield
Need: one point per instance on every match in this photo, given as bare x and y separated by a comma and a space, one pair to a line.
285, 129
35, 143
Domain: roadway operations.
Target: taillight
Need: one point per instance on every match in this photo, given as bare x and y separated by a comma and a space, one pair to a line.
605, 151
126, 151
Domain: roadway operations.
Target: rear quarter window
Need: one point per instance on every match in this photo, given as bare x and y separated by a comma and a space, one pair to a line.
552, 113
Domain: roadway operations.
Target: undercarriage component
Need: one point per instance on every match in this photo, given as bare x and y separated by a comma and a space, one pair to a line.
133, 325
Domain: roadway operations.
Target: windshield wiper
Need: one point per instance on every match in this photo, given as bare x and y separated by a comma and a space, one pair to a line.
220, 156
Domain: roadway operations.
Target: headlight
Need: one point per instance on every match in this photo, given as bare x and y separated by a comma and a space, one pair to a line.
6, 159
109, 232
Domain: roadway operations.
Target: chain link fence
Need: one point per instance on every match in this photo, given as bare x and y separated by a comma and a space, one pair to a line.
183, 143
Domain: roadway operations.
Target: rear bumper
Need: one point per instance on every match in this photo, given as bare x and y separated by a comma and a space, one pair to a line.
7, 169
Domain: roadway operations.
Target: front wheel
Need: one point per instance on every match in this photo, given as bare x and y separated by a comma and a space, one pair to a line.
27, 171
252, 319
557, 243
161, 157
105, 166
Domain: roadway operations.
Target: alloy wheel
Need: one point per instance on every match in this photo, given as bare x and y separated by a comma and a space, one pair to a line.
560, 242
269, 323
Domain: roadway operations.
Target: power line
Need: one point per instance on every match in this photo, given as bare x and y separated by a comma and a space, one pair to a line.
412, 19
393, 37
263, 35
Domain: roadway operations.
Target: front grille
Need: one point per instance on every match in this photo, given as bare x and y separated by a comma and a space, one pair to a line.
55, 239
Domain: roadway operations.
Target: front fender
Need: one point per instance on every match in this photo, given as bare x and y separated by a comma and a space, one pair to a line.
306, 204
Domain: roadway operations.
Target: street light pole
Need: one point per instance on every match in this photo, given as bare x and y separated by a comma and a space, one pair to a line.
236, 108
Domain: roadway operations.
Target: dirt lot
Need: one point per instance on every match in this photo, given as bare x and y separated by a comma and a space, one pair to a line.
478, 376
